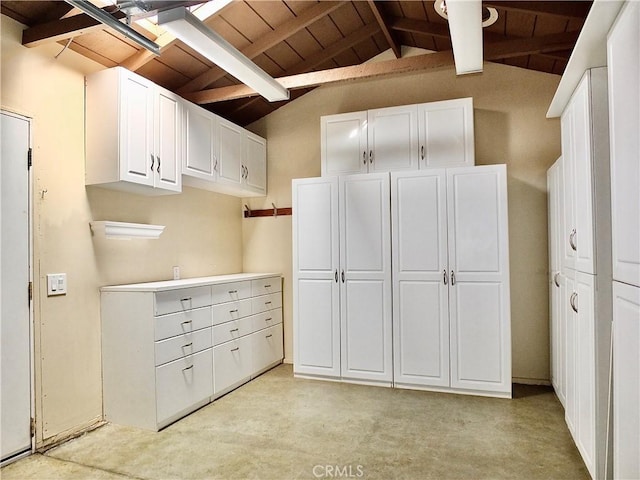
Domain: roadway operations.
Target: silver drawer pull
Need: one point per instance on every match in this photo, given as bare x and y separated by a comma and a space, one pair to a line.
267, 303
267, 286
235, 349
187, 368
233, 330
270, 335
233, 311
187, 345
188, 299
268, 319
231, 292
188, 321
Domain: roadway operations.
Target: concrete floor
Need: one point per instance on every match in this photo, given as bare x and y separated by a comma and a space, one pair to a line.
278, 427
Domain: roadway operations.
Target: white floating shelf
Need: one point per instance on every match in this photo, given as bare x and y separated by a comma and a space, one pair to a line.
126, 231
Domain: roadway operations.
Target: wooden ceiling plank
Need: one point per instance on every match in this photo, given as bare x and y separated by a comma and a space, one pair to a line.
59, 10
280, 34
335, 75
422, 27
575, 9
386, 30
530, 46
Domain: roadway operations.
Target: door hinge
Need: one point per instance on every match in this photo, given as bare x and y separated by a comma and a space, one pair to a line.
29, 158
33, 427
30, 291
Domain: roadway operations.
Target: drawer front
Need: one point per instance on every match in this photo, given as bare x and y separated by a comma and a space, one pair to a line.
231, 363
229, 292
266, 302
182, 299
183, 345
264, 286
181, 384
266, 347
232, 330
225, 312
267, 319
183, 322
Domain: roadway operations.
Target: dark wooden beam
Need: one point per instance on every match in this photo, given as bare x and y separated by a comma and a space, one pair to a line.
572, 9
530, 46
56, 12
387, 32
281, 33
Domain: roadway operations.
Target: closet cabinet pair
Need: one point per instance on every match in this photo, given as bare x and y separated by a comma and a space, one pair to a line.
402, 279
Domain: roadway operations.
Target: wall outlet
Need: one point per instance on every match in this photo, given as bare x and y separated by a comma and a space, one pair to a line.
56, 284
176, 273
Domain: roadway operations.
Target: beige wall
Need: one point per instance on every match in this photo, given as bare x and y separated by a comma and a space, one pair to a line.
202, 235
510, 127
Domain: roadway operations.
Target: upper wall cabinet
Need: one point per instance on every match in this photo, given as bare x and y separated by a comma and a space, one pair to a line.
201, 143
134, 133
408, 137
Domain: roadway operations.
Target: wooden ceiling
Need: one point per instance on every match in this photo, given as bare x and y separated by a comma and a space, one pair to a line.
289, 38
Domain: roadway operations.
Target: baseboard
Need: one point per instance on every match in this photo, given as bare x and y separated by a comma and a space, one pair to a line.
531, 381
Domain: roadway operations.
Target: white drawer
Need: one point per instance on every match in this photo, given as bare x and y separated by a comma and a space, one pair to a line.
225, 312
262, 286
183, 322
266, 302
232, 330
182, 299
183, 384
231, 364
229, 292
182, 345
267, 319
266, 347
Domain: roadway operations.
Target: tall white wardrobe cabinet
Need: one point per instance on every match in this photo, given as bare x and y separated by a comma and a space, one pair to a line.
623, 55
402, 279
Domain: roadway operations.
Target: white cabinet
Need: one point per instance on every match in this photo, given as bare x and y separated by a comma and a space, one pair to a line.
202, 144
446, 133
623, 56
399, 138
626, 381
342, 274
230, 168
188, 342
134, 134
255, 163
451, 295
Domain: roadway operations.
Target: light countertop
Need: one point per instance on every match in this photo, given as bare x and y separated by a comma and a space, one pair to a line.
186, 282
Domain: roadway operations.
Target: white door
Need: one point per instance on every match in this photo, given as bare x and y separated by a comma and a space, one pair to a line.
255, 161
137, 161
201, 140
446, 133
343, 143
626, 381
15, 330
568, 189
624, 115
420, 278
479, 274
168, 141
316, 292
230, 165
393, 139
365, 262
571, 319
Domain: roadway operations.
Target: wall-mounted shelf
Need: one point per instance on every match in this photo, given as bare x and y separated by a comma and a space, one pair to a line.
126, 231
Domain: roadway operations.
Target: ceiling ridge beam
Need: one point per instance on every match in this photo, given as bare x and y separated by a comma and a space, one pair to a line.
281, 33
386, 31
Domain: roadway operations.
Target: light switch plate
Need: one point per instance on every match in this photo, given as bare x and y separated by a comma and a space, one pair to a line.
56, 284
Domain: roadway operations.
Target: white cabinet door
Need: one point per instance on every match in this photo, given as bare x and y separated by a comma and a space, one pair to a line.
343, 143
232, 362
446, 133
420, 278
365, 259
169, 136
479, 274
626, 381
624, 106
230, 171
571, 320
316, 293
393, 139
568, 190
201, 132
266, 347
255, 163
137, 98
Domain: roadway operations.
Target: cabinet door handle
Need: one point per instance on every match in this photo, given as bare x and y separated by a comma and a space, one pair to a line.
453, 278
233, 330
235, 349
336, 276
185, 322
268, 319
187, 368
267, 286
215, 165
269, 336
246, 176
187, 299
158, 168
572, 301
233, 311
422, 152
152, 162
572, 240
267, 303
231, 292
187, 345
342, 276
364, 157
444, 276
555, 279
370, 156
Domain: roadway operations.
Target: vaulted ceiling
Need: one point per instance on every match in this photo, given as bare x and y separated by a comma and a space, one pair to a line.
289, 39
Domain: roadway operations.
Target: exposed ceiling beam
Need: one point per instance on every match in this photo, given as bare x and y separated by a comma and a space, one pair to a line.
387, 32
64, 28
281, 33
530, 46
56, 12
573, 9
323, 56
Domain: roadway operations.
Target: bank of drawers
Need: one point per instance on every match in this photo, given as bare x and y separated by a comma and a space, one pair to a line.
207, 340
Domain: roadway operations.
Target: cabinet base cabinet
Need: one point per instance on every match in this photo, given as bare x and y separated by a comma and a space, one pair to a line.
169, 348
